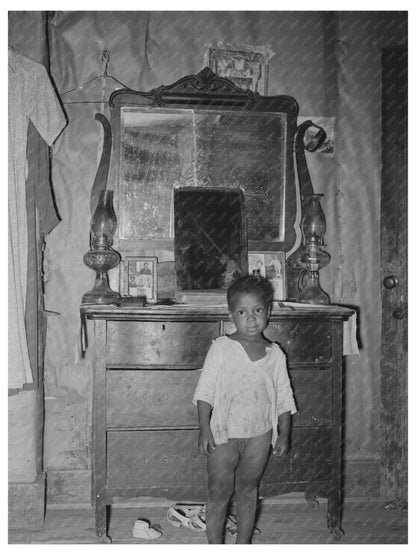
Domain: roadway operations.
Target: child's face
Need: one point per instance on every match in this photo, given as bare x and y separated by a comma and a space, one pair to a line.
249, 314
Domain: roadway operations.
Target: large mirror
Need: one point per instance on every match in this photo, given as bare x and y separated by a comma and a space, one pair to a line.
200, 148
202, 132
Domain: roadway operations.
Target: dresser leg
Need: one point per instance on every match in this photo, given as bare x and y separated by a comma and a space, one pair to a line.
105, 539
337, 533
99, 436
101, 522
333, 517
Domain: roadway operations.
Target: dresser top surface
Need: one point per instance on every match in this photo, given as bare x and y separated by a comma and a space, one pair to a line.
181, 311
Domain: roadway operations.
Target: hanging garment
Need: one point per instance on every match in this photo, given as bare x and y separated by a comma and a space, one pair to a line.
31, 97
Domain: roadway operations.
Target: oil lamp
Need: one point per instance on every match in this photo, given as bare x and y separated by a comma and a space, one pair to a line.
309, 257
102, 257
312, 257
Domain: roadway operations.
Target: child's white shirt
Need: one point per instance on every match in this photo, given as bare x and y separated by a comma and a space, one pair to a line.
247, 396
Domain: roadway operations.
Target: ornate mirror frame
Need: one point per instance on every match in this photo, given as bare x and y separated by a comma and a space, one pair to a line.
199, 94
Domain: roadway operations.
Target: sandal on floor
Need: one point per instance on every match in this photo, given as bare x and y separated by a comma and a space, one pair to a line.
191, 509
143, 530
187, 516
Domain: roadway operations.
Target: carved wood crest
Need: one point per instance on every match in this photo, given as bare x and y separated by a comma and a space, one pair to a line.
207, 88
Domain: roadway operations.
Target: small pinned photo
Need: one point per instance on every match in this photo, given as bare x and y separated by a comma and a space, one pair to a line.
271, 265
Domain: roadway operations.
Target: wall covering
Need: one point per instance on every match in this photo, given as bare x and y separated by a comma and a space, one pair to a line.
330, 62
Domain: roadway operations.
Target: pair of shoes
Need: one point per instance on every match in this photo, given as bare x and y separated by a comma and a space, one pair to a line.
187, 515
143, 530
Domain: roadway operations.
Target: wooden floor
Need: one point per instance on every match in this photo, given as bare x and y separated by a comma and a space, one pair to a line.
281, 521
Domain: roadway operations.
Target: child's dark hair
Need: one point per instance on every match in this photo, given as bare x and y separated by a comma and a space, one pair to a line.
251, 284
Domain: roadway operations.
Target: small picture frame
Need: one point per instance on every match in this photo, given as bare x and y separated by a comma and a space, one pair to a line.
272, 266
248, 68
138, 277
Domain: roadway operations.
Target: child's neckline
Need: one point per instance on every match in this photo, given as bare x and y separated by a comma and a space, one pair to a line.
266, 348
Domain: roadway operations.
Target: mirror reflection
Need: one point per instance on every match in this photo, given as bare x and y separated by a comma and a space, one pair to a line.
201, 148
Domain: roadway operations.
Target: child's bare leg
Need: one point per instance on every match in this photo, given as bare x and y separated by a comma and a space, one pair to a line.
249, 471
221, 467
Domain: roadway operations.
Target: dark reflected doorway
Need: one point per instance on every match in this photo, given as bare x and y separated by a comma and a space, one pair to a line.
210, 237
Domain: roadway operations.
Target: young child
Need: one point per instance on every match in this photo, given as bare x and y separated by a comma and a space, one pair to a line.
244, 402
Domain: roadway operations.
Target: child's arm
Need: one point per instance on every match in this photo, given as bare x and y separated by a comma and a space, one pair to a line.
285, 407
204, 399
282, 441
206, 443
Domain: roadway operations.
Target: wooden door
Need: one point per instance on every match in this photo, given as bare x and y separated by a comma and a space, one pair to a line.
394, 276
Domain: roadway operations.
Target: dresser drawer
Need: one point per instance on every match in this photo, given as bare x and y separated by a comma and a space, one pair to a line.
313, 394
277, 470
162, 344
151, 397
160, 459
303, 341
309, 341
310, 454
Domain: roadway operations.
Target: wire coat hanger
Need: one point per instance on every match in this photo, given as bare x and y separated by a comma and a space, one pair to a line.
105, 56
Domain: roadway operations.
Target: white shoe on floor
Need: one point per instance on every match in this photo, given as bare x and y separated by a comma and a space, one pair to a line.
143, 530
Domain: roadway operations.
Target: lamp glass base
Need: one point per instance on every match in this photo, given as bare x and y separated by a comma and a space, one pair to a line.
101, 292
312, 292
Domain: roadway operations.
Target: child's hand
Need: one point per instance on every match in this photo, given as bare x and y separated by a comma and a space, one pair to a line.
206, 443
282, 446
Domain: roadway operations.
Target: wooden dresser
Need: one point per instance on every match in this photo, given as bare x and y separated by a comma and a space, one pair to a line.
145, 427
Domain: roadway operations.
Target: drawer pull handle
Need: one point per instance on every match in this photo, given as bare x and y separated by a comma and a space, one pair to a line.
390, 282
163, 327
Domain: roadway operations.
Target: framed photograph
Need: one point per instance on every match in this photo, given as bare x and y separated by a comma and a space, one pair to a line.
272, 266
138, 277
247, 67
